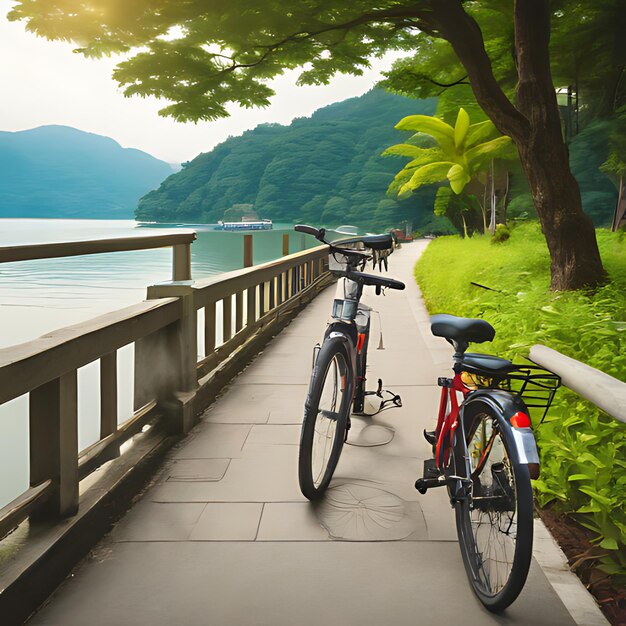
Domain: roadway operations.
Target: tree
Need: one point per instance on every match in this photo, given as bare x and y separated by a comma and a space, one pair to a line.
464, 152
202, 56
615, 167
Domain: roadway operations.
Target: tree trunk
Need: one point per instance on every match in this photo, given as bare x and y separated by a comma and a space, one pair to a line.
535, 127
492, 199
620, 209
569, 232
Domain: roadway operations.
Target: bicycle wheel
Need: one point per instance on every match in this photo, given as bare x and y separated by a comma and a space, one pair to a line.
495, 525
325, 418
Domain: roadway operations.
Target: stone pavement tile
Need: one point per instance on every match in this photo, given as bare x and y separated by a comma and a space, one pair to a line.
265, 474
241, 404
156, 521
213, 441
204, 470
228, 521
438, 514
393, 473
277, 434
290, 521
264, 377
284, 584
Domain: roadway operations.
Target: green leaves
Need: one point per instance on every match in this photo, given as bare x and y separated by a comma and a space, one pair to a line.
460, 129
464, 152
458, 177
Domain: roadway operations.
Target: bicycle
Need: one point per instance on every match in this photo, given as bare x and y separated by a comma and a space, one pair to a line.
338, 379
484, 452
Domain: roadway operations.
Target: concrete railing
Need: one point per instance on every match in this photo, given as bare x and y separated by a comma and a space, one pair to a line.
606, 392
180, 242
171, 383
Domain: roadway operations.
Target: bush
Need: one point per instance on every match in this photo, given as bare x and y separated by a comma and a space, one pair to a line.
583, 450
501, 235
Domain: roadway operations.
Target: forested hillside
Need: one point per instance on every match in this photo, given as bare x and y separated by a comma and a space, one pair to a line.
325, 169
59, 171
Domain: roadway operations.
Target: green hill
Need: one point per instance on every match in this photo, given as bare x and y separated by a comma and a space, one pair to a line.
324, 169
58, 171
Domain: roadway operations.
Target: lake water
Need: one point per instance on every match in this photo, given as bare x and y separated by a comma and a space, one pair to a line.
39, 296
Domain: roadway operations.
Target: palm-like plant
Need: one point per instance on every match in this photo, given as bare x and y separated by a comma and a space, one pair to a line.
463, 151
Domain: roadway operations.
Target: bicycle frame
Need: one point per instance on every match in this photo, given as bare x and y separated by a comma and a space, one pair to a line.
448, 433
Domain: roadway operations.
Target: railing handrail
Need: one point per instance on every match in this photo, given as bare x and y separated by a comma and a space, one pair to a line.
605, 391
228, 283
28, 365
28, 252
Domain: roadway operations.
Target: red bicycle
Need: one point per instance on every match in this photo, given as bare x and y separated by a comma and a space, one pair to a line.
484, 452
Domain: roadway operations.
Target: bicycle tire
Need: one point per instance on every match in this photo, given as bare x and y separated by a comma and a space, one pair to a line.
496, 543
325, 418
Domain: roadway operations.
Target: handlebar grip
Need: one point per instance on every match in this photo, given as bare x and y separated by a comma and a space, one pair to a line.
395, 284
309, 230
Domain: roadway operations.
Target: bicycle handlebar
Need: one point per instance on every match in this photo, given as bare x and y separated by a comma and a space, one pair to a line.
376, 281
311, 230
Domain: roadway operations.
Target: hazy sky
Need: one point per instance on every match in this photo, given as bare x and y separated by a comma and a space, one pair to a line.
44, 82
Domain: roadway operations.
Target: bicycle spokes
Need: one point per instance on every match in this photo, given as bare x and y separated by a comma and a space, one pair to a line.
493, 510
324, 435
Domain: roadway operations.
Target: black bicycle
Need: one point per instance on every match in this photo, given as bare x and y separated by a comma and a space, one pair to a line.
338, 379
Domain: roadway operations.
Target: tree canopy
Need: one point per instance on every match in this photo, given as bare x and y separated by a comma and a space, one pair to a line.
202, 56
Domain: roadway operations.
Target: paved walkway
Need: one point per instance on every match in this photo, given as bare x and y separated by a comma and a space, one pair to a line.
224, 537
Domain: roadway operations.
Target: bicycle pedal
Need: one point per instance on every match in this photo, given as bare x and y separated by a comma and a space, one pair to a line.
430, 469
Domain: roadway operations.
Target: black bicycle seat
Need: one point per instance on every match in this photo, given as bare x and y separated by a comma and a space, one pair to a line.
373, 242
461, 329
487, 363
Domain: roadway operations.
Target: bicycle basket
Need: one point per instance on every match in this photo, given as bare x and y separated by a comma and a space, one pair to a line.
535, 385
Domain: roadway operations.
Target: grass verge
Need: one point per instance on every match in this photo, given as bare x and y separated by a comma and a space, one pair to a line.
583, 450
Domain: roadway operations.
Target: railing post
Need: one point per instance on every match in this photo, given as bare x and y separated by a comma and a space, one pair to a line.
155, 362
251, 306
227, 318
247, 250
285, 244
108, 399
209, 328
238, 311
181, 262
53, 423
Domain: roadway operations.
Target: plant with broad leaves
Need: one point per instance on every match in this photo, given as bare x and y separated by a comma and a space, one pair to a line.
462, 152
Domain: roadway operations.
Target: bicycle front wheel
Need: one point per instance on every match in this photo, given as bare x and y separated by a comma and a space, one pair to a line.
325, 418
495, 525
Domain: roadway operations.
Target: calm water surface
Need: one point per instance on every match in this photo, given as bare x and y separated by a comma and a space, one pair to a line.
39, 296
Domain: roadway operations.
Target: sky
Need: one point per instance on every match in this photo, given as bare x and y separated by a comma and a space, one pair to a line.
44, 82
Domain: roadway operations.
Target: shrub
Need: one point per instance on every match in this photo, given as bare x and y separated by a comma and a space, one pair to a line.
501, 235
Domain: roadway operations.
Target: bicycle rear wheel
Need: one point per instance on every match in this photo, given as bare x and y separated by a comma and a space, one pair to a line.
495, 525
325, 418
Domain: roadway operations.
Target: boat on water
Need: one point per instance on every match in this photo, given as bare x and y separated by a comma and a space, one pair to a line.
244, 225
347, 229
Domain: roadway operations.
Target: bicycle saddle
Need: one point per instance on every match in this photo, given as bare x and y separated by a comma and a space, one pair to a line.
461, 329
373, 242
487, 363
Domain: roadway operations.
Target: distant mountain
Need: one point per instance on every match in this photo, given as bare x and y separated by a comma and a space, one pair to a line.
59, 171
324, 169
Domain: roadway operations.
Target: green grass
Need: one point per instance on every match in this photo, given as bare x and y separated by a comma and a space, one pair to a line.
583, 450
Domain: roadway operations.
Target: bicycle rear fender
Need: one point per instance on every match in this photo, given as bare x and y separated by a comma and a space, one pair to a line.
508, 405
